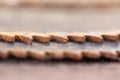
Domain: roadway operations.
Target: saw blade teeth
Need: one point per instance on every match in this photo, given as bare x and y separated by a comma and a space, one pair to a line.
4, 54
35, 54
55, 54
18, 53
109, 55
74, 55
110, 36
91, 54
7, 37
23, 37
77, 55
118, 52
40, 37
94, 38
77, 37
58, 37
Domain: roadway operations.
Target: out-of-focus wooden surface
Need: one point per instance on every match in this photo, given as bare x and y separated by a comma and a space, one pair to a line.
52, 20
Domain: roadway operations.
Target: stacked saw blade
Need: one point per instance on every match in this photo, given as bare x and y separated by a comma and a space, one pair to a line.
61, 38
59, 54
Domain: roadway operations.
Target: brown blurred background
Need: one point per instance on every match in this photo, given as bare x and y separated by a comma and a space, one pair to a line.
61, 3
62, 16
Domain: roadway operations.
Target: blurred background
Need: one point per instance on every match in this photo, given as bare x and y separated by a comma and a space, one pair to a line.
62, 16
59, 15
